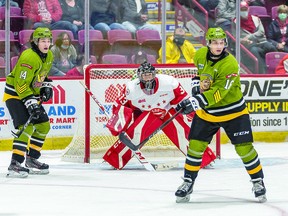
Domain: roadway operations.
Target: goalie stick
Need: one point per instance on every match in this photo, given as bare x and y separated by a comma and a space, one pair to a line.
19, 132
140, 157
127, 141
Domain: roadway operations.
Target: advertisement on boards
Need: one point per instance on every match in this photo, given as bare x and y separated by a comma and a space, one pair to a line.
63, 110
267, 102
266, 98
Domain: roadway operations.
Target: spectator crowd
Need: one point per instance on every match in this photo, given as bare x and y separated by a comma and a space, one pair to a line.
260, 33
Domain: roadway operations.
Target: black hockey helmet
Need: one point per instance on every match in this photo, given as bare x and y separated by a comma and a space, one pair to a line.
147, 68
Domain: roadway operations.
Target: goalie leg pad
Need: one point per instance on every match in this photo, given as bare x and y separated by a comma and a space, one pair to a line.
208, 157
178, 132
118, 155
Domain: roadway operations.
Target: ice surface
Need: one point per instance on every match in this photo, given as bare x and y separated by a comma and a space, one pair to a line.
96, 189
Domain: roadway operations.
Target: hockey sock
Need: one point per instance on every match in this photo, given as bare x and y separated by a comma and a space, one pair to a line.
250, 159
194, 158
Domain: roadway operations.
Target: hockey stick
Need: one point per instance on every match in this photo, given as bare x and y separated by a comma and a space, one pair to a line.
19, 132
153, 166
127, 141
140, 157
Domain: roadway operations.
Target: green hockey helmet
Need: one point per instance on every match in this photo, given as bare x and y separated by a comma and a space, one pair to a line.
215, 33
41, 32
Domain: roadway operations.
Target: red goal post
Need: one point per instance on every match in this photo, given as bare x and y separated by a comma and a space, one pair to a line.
92, 138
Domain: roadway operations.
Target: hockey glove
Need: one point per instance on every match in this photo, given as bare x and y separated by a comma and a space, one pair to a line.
46, 90
195, 85
188, 105
33, 107
120, 119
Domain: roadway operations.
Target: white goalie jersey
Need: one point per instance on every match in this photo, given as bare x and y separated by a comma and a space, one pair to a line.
156, 107
167, 93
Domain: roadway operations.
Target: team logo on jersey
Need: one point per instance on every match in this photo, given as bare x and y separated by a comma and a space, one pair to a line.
158, 112
206, 81
38, 82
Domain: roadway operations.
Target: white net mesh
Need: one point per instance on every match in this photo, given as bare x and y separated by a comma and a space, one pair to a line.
106, 82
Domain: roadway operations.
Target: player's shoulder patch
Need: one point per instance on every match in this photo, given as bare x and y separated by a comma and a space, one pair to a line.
26, 65
231, 75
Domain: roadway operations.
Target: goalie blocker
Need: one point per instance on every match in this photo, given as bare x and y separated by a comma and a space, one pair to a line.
118, 155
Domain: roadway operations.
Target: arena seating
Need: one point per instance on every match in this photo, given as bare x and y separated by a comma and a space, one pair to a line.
272, 60
114, 59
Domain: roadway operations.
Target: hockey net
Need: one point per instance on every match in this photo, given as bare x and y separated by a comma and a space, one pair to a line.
92, 139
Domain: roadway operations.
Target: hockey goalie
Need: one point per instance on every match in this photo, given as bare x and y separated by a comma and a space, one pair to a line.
147, 102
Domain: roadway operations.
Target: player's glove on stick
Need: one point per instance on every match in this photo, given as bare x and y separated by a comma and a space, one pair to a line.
33, 107
195, 85
188, 105
46, 90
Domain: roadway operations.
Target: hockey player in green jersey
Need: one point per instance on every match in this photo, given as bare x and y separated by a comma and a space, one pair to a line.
26, 85
218, 102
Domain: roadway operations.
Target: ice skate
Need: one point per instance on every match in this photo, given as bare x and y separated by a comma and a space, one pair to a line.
36, 167
259, 189
15, 170
184, 190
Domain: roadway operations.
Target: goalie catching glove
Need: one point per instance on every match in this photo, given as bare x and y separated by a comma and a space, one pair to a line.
120, 119
188, 105
46, 90
32, 107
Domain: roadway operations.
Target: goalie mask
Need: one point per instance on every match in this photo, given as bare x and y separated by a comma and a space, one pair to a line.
143, 73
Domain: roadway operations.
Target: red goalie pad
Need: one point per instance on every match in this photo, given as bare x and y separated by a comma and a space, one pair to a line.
208, 157
120, 119
118, 155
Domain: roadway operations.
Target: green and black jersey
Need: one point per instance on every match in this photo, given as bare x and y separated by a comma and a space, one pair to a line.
221, 97
28, 75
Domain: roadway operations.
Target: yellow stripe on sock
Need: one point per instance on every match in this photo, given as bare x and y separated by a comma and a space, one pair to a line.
16, 151
192, 168
255, 170
37, 148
